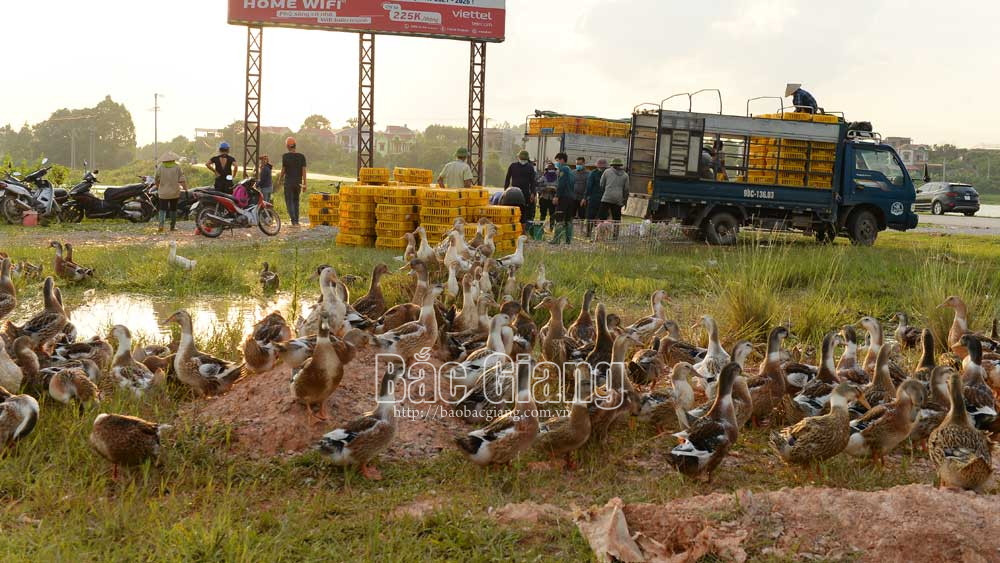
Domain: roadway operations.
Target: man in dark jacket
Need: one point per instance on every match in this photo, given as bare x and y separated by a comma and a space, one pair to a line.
592, 198
580, 186
564, 201
521, 174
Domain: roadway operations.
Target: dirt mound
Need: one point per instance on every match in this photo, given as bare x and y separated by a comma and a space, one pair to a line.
267, 420
909, 523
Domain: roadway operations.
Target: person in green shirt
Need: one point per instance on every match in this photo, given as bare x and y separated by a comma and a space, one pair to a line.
457, 173
565, 200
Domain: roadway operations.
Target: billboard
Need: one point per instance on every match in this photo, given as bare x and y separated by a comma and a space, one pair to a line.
467, 20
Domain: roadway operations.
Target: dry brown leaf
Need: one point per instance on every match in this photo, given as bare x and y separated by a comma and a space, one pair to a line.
607, 533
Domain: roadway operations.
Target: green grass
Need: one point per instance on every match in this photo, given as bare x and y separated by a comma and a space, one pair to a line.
206, 504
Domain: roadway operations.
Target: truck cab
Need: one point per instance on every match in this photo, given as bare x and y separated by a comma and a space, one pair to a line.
815, 174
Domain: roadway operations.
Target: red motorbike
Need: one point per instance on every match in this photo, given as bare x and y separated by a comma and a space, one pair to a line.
215, 211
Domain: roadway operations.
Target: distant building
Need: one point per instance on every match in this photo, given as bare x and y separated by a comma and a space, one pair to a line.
275, 130
394, 140
914, 156
502, 141
347, 138
208, 133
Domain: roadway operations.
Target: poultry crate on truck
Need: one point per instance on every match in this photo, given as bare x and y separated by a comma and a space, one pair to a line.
548, 134
814, 174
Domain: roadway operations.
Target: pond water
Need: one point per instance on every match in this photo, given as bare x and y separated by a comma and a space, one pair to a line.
145, 316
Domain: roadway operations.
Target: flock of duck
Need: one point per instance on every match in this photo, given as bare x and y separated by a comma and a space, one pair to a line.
641, 372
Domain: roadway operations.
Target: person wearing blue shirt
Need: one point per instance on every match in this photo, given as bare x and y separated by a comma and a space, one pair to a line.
565, 200
265, 181
803, 101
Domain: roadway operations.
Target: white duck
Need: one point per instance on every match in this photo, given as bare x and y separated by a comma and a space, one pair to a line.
451, 287
179, 261
425, 253
126, 373
516, 260
466, 373
335, 307
716, 356
454, 256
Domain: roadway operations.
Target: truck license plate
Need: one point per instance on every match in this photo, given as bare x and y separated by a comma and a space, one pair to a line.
758, 194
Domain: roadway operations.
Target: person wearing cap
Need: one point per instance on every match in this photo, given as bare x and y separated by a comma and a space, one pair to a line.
292, 178
565, 200
457, 173
592, 198
224, 167
803, 101
169, 180
265, 181
521, 174
615, 184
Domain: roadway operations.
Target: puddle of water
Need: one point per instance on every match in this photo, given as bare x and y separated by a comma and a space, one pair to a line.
145, 316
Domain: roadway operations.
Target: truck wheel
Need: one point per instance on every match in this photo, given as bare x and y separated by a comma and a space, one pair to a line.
937, 208
863, 228
722, 229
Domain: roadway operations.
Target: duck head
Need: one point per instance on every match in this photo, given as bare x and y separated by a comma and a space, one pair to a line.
182, 318
844, 394
953, 302
741, 352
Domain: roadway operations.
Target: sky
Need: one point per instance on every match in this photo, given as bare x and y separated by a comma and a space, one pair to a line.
919, 69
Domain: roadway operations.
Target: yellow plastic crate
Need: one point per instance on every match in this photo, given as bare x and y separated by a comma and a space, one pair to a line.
759, 163
754, 178
769, 116
824, 155
821, 182
393, 231
439, 194
822, 118
820, 166
793, 144
356, 223
373, 175
788, 165
326, 211
323, 198
361, 232
763, 141
791, 179
596, 128
399, 196
477, 202
358, 190
390, 243
323, 221
357, 207
451, 213
797, 116
475, 192
397, 209
501, 213
787, 153
355, 240
505, 248
360, 215
398, 217
435, 230
472, 214
824, 146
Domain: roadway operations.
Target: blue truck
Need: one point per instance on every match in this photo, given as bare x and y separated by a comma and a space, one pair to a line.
814, 174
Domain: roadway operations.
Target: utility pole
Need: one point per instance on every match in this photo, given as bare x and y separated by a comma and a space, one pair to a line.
156, 126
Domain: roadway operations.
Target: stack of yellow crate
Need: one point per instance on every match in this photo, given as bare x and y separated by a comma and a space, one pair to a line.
413, 176
820, 163
357, 215
473, 200
324, 210
578, 125
508, 223
398, 212
438, 211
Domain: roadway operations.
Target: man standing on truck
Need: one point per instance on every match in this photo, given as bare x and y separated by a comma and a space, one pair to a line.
591, 201
565, 200
521, 174
457, 173
803, 101
580, 186
615, 184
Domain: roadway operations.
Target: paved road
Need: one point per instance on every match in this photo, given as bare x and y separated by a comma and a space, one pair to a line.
959, 224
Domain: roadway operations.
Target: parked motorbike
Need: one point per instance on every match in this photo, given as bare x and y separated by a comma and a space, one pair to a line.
215, 212
184, 204
127, 202
18, 196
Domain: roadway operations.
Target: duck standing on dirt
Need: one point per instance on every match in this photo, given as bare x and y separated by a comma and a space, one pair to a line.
706, 443
415, 337
667, 411
979, 399
208, 376
816, 395
365, 437
927, 362
962, 453
848, 368
330, 301
935, 407
259, 349
126, 440
907, 336
818, 438
8, 295
18, 416
72, 384
507, 436
318, 378
715, 357
48, 324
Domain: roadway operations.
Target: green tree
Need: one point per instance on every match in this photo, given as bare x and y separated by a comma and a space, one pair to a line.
316, 122
108, 125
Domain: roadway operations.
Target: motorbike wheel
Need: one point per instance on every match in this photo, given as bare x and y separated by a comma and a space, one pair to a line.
146, 214
269, 222
11, 210
72, 214
206, 225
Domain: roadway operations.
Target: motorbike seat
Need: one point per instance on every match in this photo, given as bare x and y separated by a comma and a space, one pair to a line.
116, 193
217, 193
61, 192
